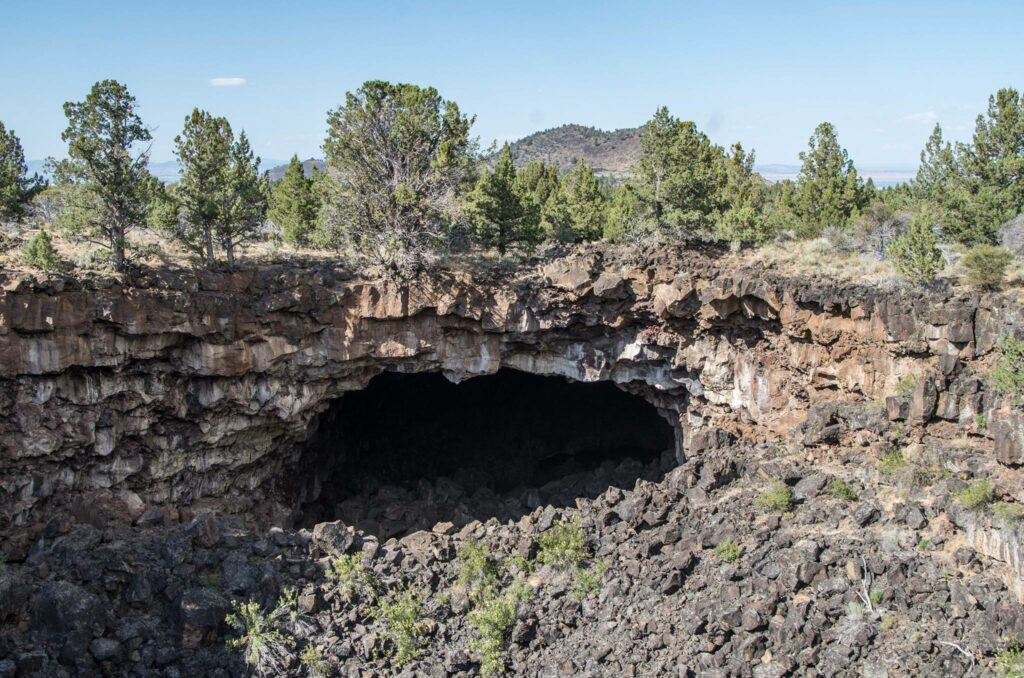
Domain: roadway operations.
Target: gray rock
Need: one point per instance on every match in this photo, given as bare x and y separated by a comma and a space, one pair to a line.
63, 607
105, 649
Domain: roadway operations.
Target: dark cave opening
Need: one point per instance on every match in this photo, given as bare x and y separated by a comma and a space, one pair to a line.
412, 450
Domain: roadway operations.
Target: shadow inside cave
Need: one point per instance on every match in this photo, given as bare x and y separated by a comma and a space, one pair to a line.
412, 450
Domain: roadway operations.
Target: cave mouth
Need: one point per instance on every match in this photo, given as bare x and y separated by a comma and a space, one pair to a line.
413, 450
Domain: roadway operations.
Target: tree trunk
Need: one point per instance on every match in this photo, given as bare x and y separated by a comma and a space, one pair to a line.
229, 248
117, 248
208, 233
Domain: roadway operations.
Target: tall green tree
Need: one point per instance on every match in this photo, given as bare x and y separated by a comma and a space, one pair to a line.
743, 197
539, 179
106, 138
627, 219
992, 186
398, 156
505, 214
586, 202
245, 199
16, 187
204, 150
915, 254
828, 190
679, 176
293, 204
938, 172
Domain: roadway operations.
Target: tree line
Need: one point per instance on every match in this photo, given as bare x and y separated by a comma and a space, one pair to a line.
403, 182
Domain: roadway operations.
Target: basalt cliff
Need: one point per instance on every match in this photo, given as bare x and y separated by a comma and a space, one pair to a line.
167, 443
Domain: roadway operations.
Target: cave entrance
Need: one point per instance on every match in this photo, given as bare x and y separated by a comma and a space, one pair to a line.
411, 450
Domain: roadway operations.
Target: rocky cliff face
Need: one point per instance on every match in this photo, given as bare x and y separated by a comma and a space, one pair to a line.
176, 392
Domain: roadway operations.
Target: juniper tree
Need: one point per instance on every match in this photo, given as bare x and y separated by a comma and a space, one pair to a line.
105, 138
245, 199
16, 187
204, 150
586, 203
627, 220
679, 176
828, 191
293, 205
397, 158
915, 254
743, 200
504, 213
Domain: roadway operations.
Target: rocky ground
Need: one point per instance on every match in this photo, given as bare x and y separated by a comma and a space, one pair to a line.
754, 561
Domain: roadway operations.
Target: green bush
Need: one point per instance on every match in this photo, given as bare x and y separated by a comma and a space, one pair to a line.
353, 578
1008, 374
841, 490
915, 254
562, 545
1008, 514
39, 253
777, 498
892, 463
906, 385
976, 495
313, 659
727, 550
404, 627
587, 581
478, 572
260, 635
986, 265
1010, 662
492, 620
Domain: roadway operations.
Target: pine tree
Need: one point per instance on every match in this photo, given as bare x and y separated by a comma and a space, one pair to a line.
915, 254
40, 253
679, 176
743, 198
585, 202
16, 187
245, 206
204, 150
505, 214
540, 180
627, 220
103, 135
293, 206
828, 190
938, 169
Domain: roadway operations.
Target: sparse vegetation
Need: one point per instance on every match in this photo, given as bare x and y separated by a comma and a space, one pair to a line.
563, 545
1008, 375
892, 462
478, 572
1008, 514
779, 497
587, 580
986, 265
492, 620
841, 490
906, 385
728, 551
404, 627
260, 636
312, 659
924, 545
1010, 662
353, 577
976, 495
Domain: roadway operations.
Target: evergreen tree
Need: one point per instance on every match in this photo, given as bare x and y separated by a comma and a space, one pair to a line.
293, 206
246, 196
204, 150
16, 188
40, 253
743, 198
103, 135
397, 158
586, 204
679, 176
627, 219
915, 254
828, 191
938, 170
540, 180
504, 213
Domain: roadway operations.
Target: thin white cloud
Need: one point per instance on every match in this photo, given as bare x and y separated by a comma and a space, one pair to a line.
227, 82
925, 116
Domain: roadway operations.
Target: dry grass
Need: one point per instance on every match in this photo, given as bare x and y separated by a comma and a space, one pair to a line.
817, 257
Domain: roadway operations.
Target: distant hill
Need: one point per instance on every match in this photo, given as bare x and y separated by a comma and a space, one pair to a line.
277, 173
611, 154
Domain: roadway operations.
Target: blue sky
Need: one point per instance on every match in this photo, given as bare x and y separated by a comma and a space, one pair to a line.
758, 72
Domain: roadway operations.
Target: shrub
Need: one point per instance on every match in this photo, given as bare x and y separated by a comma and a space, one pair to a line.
777, 498
855, 610
915, 254
892, 462
353, 577
492, 620
1008, 374
313, 659
586, 581
727, 550
906, 385
403, 626
986, 265
260, 635
924, 545
1010, 662
478, 573
976, 495
39, 253
562, 545
841, 490
1008, 514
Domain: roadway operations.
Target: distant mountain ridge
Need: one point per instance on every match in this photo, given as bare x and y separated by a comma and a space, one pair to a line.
611, 154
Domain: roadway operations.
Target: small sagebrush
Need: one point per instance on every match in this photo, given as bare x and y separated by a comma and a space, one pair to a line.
404, 626
841, 490
892, 463
492, 620
353, 577
976, 495
260, 635
728, 550
1008, 375
777, 498
563, 545
986, 265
